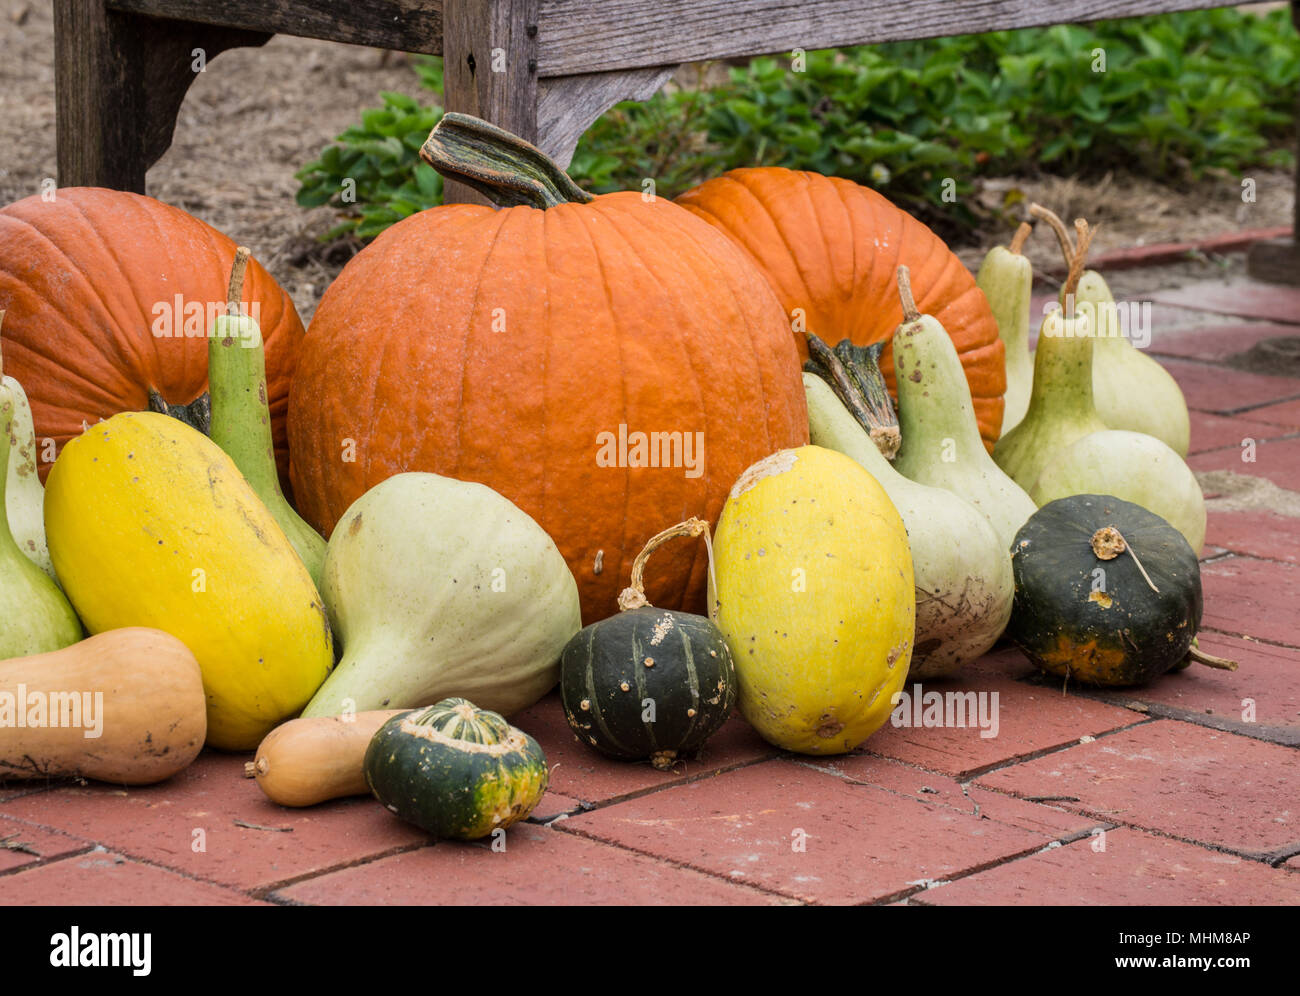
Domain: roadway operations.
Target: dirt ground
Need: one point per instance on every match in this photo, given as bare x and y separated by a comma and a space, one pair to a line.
255, 116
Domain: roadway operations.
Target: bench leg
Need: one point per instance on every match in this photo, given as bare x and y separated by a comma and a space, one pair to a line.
119, 81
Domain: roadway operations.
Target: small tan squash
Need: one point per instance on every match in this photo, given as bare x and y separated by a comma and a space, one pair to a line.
125, 706
308, 761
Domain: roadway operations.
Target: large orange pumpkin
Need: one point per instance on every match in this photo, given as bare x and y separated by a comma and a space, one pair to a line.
517, 348
91, 278
832, 248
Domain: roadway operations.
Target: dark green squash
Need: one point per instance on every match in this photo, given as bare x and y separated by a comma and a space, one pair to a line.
648, 683
1107, 593
456, 771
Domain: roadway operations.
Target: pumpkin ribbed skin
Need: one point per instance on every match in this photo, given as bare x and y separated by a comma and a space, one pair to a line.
614, 671
456, 771
832, 248
1098, 621
496, 347
80, 276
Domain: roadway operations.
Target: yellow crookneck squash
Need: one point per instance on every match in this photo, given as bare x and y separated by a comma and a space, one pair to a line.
151, 524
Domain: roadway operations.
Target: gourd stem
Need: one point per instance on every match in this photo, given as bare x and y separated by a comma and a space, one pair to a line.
236, 289
1020, 238
1209, 660
910, 314
853, 373
501, 166
1058, 226
633, 597
1108, 543
1081, 244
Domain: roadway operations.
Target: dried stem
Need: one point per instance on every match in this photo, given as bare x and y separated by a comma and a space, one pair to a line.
1082, 242
1020, 238
235, 291
633, 597
1058, 226
910, 314
1209, 660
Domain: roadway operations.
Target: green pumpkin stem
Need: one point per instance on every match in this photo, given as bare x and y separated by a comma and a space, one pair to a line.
1209, 660
853, 373
1020, 238
633, 597
501, 166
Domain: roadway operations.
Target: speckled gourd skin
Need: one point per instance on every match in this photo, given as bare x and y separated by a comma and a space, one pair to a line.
24, 495
961, 569
1103, 629
941, 444
814, 592
676, 663
456, 771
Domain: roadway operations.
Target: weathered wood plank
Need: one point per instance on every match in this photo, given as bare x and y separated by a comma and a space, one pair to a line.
567, 105
584, 36
490, 68
405, 25
1278, 260
119, 80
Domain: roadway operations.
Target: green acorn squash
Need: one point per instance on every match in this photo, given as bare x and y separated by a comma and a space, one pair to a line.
1107, 593
648, 683
456, 771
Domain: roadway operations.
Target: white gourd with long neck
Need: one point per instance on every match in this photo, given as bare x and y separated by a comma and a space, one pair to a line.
1007, 277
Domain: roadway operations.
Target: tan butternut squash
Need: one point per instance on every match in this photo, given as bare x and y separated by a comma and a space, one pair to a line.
307, 761
125, 706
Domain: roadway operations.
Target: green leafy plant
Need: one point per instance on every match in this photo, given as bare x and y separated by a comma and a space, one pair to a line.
1173, 97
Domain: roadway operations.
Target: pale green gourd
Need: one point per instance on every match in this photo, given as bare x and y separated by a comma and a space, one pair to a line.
441, 588
1061, 406
1006, 277
241, 419
961, 568
1130, 390
24, 495
1132, 466
941, 444
35, 617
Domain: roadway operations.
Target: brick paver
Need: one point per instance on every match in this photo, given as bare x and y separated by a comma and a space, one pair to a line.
1209, 387
103, 878
1239, 297
23, 844
189, 824
785, 827
1245, 595
1216, 432
1122, 868
537, 866
1181, 780
1210, 342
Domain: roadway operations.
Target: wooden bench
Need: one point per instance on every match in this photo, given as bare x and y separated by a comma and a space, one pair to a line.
544, 69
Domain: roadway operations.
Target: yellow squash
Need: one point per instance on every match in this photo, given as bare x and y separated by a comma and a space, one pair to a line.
814, 592
151, 524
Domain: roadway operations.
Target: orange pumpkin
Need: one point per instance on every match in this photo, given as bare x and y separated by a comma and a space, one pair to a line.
90, 282
832, 248
517, 347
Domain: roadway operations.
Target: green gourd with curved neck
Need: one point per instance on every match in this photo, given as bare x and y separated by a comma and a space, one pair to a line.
941, 444
241, 419
1131, 390
35, 617
1006, 277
